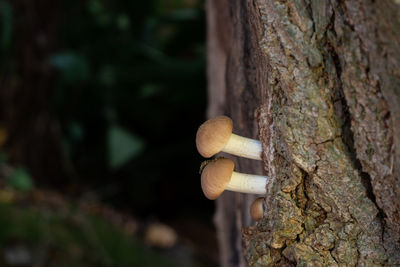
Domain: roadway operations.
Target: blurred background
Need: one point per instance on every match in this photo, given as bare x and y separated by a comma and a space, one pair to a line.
100, 101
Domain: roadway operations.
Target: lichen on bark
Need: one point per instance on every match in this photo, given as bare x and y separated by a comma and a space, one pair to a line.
318, 208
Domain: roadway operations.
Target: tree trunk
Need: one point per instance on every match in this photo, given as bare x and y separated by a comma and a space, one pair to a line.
25, 89
320, 80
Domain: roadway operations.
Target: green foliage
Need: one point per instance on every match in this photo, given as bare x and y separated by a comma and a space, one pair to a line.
123, 22
74, 68
138, 65
72, 239
122, 146
127, 73
20, 180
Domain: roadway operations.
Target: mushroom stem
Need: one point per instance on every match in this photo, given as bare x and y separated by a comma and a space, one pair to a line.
247, 183
243, 147
217, 175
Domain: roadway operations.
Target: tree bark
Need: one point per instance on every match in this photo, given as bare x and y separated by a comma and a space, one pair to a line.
321, 81
232, 86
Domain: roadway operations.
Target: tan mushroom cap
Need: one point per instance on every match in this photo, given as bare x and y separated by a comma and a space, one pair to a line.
215, 176
257, 209
213, 135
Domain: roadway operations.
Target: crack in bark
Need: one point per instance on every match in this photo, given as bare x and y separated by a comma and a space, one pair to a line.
346, 126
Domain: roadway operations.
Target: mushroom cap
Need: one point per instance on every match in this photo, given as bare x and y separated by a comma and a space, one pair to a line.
215, 176
257, 209
212, 135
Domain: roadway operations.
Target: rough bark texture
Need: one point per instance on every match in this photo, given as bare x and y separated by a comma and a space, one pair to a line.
230, 95
324, 78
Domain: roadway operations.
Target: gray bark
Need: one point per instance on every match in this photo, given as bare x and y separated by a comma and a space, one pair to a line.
318, 82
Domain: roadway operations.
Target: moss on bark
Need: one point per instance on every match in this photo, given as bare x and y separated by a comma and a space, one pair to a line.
319, 68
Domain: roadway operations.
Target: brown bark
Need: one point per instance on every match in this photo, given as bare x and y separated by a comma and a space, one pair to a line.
324, 78
230, 95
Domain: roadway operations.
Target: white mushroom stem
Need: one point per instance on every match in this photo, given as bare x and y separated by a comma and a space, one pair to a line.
247, 183
243, 147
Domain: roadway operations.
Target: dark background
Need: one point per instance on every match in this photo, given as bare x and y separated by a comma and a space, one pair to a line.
100, 101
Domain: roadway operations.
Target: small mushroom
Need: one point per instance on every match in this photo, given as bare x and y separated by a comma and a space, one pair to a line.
216, 135
218, 175
257, 209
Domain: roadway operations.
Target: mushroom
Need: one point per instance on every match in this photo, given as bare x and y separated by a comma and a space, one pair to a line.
257, 209
216, 135
218, 175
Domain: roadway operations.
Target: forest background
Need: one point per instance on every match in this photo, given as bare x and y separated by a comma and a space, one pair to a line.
99, 104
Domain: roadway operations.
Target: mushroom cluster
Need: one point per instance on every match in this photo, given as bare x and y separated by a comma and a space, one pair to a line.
217, 175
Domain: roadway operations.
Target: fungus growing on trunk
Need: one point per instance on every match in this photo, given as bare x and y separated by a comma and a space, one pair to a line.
217, 175
257, 209
215, 135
